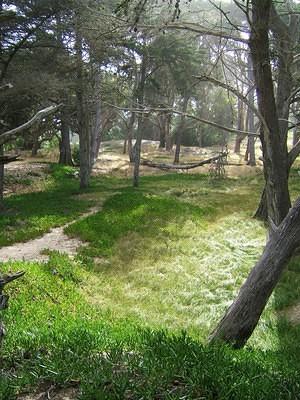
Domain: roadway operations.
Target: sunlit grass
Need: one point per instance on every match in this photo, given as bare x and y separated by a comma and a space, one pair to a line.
163, 259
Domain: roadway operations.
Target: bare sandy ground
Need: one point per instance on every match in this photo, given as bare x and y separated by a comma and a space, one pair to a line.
32, 250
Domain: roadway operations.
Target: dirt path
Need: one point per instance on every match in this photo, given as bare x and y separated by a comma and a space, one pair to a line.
56, 240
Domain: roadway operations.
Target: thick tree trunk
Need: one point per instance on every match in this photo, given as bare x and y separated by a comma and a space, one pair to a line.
162, 130
65, 153
274, 151
242, 316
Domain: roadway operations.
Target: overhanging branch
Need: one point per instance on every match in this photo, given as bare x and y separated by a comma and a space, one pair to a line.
187, 115
11, 134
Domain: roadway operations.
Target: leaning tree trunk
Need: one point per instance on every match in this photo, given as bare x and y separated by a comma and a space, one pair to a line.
241, 318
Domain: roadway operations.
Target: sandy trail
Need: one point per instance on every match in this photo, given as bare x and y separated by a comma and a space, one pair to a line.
56, 240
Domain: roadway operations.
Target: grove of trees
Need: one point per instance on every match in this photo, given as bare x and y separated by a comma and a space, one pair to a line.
194, 74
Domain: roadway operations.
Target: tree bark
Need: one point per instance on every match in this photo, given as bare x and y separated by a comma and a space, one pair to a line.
274, 150
250, 119
82, 116
130, 137
1, 180
180, 128
240, 126
241, 318
139, 135
65, 153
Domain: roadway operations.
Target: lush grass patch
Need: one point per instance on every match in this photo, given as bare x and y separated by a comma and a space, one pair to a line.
55, 336
29, 215
162, 260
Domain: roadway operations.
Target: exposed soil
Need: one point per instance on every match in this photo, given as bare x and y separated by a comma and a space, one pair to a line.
52, 393
32, 250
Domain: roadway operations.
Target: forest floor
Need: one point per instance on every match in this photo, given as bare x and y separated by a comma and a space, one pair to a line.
127, 316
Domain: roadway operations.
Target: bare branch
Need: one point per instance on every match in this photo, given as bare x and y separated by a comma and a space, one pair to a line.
196, 28
11, 134
172, 111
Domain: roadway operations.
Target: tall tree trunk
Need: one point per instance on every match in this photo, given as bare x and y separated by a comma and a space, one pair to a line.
96, 126
82, 116
285, 38
139, 134
240, 126
162, 130
130, 137
65, 153
250, 118
180, 128
169, 143
1, 181
242, 316
274, 152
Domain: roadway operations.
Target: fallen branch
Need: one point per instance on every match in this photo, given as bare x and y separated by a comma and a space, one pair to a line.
165, 166
11, 134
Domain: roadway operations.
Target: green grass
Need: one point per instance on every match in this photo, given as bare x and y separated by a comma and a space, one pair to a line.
55, 336
130, 316
29, 215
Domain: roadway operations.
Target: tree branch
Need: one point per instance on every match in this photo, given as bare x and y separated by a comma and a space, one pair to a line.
172, 111
11, 134
196, 28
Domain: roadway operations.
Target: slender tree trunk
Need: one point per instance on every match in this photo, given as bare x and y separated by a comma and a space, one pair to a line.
250, 118
139, 135
82, 117
130, 136
242, 316
179, 130
169, 144
240, 126
1, 181
162, 130
96, 128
